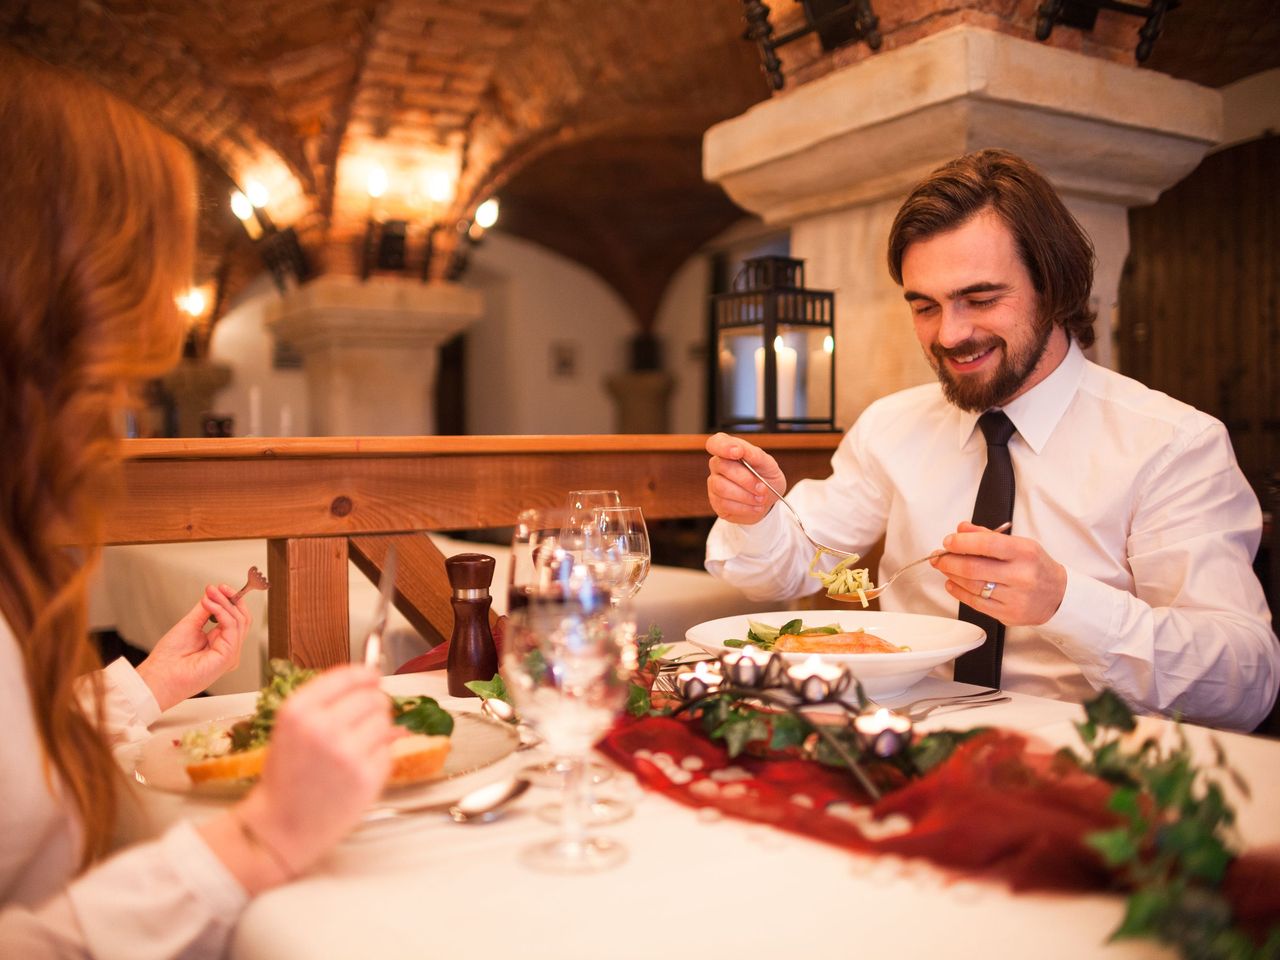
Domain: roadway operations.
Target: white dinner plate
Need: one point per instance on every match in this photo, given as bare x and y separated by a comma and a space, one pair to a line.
932, 641
477, 742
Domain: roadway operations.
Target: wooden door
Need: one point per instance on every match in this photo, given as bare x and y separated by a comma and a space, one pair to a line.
1199, 299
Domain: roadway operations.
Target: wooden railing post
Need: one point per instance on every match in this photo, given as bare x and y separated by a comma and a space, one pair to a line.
307, 603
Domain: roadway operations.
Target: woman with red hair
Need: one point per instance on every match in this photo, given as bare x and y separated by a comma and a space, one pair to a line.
98, 213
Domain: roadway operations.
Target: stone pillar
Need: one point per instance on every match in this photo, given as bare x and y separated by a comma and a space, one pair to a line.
193, 384
835, 158
370, 349
641, 401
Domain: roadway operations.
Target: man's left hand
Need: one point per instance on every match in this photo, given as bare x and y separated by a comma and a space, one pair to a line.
186, 659
1029, 584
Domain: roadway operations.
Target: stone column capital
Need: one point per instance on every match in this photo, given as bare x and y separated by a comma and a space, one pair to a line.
370, 350
335, 311
1099, 130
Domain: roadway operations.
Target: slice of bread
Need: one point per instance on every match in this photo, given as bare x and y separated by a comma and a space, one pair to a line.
232, 766
417, 757
414, 758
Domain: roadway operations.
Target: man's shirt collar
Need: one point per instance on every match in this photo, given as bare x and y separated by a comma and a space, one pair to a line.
1037, 412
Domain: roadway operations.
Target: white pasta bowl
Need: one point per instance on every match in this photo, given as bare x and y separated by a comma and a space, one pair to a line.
931, 642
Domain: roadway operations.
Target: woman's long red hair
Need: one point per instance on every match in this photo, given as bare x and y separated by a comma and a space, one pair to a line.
96, 238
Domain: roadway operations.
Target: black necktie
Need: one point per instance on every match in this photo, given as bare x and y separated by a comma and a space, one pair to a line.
993, 507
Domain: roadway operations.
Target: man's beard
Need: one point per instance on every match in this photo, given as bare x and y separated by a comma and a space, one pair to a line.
968, 392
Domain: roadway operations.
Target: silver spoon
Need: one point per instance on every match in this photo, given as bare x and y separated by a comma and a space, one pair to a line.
482, 805
500, 710
872, 592
799, 523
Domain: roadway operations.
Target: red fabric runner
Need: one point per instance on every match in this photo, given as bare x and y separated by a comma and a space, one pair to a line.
437, 658
994, 809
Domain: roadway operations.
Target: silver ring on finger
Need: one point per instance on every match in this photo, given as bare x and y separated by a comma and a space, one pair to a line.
988, 589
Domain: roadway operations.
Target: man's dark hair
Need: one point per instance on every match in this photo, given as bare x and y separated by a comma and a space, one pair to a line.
1055, 250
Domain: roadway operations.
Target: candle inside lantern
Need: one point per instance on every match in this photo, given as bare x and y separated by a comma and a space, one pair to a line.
884, 732
746, 667
704, 679
786, 380
820, 378
814, 678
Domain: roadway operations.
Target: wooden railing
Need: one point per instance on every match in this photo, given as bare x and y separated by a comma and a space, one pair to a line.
321, 501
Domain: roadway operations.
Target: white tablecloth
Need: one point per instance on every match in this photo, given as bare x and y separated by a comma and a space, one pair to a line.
143, 590
692, 886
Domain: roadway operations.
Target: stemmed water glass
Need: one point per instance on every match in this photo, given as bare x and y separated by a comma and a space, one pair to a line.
541, 567
564, 663
622, 537
580, 507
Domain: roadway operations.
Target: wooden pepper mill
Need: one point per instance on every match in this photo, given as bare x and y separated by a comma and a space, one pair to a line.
472, 654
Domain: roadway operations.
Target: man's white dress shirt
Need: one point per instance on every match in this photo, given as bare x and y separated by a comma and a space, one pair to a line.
1138, 495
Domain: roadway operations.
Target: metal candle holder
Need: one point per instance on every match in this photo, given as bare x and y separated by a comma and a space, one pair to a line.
741, 674
883, 733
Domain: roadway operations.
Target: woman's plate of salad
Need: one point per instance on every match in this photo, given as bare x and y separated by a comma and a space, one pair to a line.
887, 652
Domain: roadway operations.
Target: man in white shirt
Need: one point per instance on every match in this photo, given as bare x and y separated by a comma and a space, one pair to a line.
1128, 564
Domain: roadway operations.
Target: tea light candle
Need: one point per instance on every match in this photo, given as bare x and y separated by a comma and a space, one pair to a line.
814, 679
746, 667
704, 679
884, 732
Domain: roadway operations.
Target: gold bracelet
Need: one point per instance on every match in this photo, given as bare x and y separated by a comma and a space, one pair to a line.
255, 839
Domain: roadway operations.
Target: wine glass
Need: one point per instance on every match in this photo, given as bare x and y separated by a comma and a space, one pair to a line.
542, 568
622, 536
579, 507
563, 662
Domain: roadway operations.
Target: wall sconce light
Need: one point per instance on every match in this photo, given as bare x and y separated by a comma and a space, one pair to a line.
471, 233
387, 241
1083, 14
837, 22
246, 213
775, 350
280, 250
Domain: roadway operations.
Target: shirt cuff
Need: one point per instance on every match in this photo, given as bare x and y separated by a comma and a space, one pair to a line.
728, 541
124, 680
208, 878
1087, 618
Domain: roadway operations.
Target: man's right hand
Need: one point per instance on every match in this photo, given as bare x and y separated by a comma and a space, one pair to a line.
734, 493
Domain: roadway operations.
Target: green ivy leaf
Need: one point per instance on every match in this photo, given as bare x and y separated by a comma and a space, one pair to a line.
495, 689
931, 750
739, 728
788, 731
1117, 846
423, 715
1108, 711
1170, 781
650, 647
638, 701
1124, 801
1144, 913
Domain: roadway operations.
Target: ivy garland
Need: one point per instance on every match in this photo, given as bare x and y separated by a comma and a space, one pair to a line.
1171, 852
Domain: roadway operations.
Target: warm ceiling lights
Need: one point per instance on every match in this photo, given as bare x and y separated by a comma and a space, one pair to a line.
487, 213
257, 194
192, 302
242, 207
439, 186
377, 182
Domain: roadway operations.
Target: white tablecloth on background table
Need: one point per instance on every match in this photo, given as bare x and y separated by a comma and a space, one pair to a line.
142, 590
692, 886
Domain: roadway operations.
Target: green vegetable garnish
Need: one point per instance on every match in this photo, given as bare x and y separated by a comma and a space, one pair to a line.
422, 715
764, 636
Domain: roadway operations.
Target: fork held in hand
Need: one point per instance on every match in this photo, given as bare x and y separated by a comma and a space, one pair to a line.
834, 551
255, 581
873, 592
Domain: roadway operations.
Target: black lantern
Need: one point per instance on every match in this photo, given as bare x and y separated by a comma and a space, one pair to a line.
775, 350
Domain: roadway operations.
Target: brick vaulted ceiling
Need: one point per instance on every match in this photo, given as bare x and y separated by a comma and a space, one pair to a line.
584, 116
